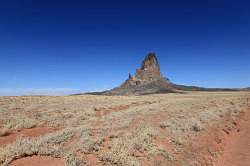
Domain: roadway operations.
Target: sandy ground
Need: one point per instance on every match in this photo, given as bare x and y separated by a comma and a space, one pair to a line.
37, 161
34, 132
190, 129
237, 149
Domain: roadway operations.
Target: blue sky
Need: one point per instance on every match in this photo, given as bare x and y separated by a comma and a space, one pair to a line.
62, 47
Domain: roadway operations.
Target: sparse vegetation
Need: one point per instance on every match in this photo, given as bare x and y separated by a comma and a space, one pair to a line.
88, 142
4, 132
50, 144
26, 147
123, 149
126, 136
71, 160
19, 122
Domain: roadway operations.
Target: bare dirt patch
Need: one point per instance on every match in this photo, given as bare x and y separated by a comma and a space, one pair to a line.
38, 161
92, 159
237, 148
107, 110
33, 132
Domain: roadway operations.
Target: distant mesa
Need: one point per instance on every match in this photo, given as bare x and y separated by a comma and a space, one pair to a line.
148, 79
248, 89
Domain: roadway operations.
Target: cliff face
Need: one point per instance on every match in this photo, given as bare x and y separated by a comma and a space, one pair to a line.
150, 68
147, 79
147, 73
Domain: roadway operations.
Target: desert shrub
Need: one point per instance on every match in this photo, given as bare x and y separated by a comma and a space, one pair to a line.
197, 127
123, 148
71, 160
59, 136
43, 145
26, 147
182, 126
19, 122
92, 144
88, 142
165, 125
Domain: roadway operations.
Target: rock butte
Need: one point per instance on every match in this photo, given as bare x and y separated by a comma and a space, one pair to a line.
147, 80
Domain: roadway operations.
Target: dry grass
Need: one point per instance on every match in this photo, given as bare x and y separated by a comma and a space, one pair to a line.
129, 131
4, 132
26, 147
50, 144
71, 160
19, 122
123, 149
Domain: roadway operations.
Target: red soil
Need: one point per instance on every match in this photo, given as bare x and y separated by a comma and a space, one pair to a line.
237, 149
38, 161
164, 143
233, 141
107, 110
92, 160
224, 144
104, 111
34, 132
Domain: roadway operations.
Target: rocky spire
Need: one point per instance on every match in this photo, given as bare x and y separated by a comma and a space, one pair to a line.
150, 69
150, 63
147, 79
129, 76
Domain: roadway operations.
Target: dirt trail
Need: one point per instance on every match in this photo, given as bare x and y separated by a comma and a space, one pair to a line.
237, 150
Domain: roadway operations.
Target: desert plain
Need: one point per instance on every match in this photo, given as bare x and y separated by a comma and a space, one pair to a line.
175, 129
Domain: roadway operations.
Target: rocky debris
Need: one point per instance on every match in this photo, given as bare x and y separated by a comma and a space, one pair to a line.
147, 80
